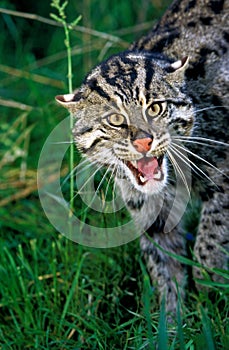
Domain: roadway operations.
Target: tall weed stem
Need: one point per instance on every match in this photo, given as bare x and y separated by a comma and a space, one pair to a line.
61, 17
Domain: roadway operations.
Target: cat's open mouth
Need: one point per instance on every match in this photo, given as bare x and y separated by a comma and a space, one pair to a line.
146, 168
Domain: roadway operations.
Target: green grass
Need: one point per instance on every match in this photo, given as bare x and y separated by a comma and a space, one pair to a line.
55, 294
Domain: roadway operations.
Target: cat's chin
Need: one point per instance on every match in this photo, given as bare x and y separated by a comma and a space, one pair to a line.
151, 186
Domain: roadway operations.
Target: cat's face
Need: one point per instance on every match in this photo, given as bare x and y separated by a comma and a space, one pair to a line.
127, 113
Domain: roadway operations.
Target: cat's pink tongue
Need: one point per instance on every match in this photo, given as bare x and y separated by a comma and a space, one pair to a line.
148, 167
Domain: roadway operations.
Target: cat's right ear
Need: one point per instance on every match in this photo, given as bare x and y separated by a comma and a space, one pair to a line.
66, 101
74, 101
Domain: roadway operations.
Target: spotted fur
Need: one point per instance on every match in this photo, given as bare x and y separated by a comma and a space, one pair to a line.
172, 83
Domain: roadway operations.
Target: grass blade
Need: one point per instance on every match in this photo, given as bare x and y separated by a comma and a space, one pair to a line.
207, 330
162, 330
72, 291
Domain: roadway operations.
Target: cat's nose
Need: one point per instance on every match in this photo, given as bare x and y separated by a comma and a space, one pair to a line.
143, 145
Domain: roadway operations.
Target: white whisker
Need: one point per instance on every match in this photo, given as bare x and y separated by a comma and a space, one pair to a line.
187, 161
108, 184
198, 157
93, 161
196, 138
179, 170
62, 142
81, 164
194, 142
88, 179
99, 186
208, 108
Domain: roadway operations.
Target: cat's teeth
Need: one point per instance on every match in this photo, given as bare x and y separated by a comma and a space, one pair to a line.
157, 176
142, 179
134, 162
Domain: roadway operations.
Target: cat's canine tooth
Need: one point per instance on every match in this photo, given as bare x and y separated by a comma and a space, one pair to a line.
142, 179
134, 162
158, 175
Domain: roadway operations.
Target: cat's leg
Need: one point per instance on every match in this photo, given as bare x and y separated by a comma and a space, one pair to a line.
212, 240
166, 273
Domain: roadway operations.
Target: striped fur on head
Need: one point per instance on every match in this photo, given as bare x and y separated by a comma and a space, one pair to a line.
132, 96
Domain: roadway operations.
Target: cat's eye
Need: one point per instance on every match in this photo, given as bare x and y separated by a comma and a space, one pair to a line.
116, 119
156, 109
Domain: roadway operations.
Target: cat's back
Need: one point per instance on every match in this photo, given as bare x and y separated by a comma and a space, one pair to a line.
190, 27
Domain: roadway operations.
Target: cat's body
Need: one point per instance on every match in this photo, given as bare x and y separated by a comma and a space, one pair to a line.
134, 112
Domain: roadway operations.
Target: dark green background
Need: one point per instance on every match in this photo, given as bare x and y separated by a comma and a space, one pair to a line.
55, 294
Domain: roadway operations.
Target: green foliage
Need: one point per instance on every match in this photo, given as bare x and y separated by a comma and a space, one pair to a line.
55, 294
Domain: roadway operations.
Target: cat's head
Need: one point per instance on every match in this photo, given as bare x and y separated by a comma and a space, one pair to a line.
126, 114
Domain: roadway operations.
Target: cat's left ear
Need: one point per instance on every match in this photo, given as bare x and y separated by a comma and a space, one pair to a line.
178, 68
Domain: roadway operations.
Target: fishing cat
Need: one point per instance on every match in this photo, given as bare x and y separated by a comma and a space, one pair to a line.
159, 109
